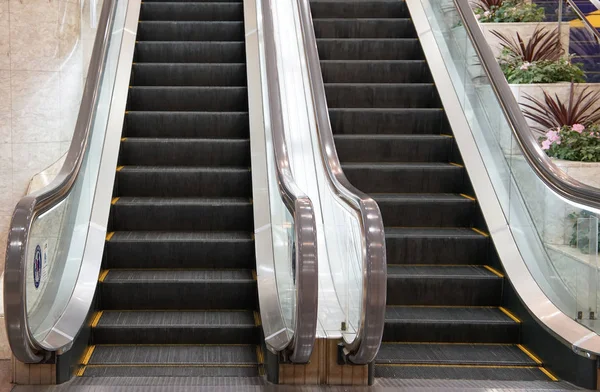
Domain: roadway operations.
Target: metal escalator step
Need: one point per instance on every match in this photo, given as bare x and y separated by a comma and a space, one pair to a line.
443, 286
190, 31
382, 95
163, 181
213, 376
503, 373
375, 71
405, 177
181, 355
390, 121
176, 327
191, 11
178, 290
440, 324
454, 354
190, 52
182, 214
188, 74
187, 124
393, 148
186, 99
180, 250
411, 245
185, 152
364, 28
419, 210
369, 49
362, 9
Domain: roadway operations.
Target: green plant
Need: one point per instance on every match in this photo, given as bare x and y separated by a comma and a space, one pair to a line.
580, 237
573, 143
552, 113
507, 11
543, 72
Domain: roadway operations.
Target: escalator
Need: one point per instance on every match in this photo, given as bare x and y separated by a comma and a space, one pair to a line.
177, 294
445, 288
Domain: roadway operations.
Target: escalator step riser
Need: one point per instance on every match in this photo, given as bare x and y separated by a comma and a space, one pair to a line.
364, 28
188, 99
184, 183
187, 125
461, 373
376, 72
180, 254
191, 11
424, 250
394, 96
160, 152
190, 31
179, 295
392, 122
368, 149
447, 179
444, 291
363, 9
223, 334
182, 217
425, 213
436, 331
373, 49
189, 75
190, 52
210, 372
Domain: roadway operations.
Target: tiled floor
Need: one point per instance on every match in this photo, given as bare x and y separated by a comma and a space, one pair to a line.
5, 384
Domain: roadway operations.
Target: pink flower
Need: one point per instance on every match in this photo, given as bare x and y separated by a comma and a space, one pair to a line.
477, 16
552, 136
578, 128
546, 144
525, 65
487, 13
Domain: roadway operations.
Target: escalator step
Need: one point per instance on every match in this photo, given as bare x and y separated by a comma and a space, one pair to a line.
191, 11
221, 375
369, 49
185, 152
182, 214
420, 210
190, 52
190, 31
363, 9
178, 290
180, 250
391, 121
175, 327
449, 325
184, 181
369, 71
188, 98
388, 95
187, 124
405, 177
422, 245
443, 286
503, 373
190, 74
458, 354
393, 148
364, 28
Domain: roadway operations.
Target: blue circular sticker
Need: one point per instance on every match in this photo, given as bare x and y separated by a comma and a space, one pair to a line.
37, 266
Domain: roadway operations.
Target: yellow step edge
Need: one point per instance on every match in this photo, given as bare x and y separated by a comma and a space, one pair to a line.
529, 354
80, 371
96, 319
103, 275
509, 314
483, 233
259, 355
456, 164
114, 201
123, 139
492, 270
88, 354
254, 276
547, 373
110, 235
257, 320
119, 168
468, 197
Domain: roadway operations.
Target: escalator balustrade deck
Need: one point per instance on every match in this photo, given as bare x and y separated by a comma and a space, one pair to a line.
178, 295
444, 317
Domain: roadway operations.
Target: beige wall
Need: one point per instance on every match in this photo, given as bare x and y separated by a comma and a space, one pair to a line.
45, 46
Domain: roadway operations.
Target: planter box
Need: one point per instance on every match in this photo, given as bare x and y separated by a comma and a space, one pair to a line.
525, 30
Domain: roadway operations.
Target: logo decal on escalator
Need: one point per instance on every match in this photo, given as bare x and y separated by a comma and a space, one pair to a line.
37, 266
